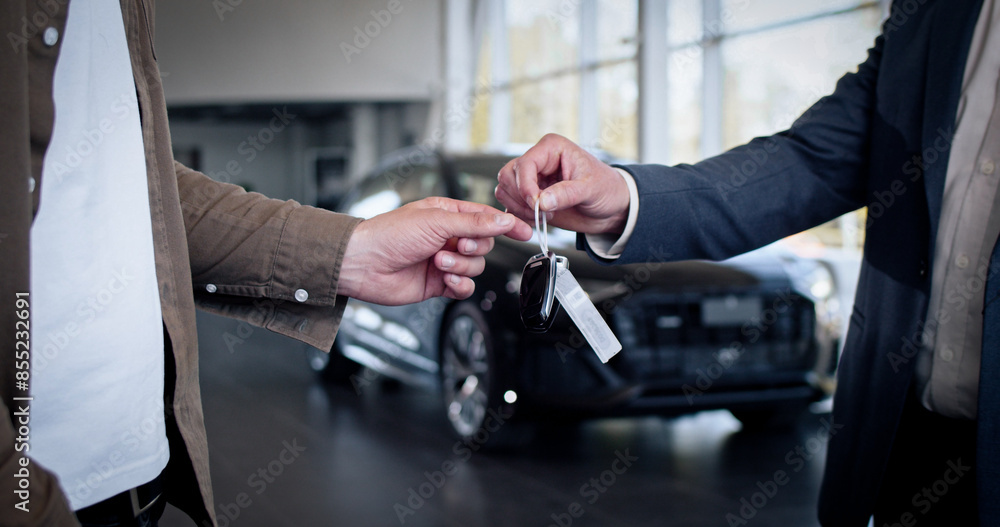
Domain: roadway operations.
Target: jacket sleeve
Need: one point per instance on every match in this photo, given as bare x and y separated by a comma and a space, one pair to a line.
269, 262
765, 190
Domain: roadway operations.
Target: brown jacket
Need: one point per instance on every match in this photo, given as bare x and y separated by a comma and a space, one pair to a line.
256, 252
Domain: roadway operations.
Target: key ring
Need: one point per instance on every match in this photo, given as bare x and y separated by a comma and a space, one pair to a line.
543, 231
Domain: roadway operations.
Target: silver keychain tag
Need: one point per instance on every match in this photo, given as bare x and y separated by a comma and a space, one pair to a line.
586, 317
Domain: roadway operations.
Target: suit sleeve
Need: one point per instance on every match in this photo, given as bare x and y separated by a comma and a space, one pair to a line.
269, 262
765, 190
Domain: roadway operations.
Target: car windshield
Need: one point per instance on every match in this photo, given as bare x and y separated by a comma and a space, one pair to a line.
477, 180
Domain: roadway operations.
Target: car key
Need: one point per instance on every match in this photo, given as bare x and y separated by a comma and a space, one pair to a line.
538, 303
547, 283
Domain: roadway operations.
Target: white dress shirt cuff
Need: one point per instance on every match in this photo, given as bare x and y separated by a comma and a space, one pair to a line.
608, 246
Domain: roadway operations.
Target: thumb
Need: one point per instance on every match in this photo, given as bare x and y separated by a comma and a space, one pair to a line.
564, 195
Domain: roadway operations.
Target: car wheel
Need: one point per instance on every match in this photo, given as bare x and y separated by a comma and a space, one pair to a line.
332, 366
468, 371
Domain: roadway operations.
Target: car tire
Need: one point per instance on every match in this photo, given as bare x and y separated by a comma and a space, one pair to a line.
332, 366
470, 379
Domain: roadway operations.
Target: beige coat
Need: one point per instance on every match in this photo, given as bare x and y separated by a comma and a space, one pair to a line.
256, 251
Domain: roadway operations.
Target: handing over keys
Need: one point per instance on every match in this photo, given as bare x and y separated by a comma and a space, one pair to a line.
547, 283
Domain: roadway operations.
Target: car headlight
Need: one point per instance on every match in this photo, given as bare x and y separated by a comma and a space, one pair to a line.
814, 281
817, 283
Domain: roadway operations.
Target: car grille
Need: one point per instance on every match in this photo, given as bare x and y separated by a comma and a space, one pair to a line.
683, 335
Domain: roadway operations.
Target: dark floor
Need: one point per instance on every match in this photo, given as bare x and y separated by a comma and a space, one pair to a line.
288, 450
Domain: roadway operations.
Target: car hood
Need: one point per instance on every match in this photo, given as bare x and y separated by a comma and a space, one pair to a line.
761, 268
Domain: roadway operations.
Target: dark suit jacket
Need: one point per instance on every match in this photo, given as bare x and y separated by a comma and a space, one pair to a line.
881, 140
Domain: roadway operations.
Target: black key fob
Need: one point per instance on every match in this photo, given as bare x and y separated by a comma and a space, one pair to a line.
538, 291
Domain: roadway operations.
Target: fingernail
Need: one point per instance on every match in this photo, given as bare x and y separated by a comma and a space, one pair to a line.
447, 261
471, 246
454, 279
504, 219
548, 201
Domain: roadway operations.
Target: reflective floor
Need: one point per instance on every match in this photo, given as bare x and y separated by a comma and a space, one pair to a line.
288, 450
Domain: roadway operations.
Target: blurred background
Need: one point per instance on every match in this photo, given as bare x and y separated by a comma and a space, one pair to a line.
446, 414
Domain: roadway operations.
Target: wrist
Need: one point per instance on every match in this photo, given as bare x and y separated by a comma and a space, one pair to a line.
622, 196
354, 266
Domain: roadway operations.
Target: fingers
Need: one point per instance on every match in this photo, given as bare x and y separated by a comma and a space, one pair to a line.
453, 205
459, 265
565, 195
555, 171
478, 225
521, 231
515, 205
458, 287
488, 222
475, 247
525, 177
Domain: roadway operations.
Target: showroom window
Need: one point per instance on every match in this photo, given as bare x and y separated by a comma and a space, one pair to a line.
731, 70
544, 78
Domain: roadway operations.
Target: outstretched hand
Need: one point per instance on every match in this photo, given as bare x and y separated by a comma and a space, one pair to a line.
580, 192
428, 248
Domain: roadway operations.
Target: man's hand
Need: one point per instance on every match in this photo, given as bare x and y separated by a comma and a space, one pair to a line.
584, 194
427, 248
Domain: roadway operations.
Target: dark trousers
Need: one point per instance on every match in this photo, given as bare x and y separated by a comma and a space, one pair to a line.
931, 477
149, 518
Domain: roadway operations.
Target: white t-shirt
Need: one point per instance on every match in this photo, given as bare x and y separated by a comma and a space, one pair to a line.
97, 363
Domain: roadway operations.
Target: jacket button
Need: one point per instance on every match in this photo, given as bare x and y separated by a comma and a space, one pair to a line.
31, 184
301, 295
50, 36
211, 288
923, 267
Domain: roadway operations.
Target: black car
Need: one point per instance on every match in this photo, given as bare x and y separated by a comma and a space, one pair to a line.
753, 335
